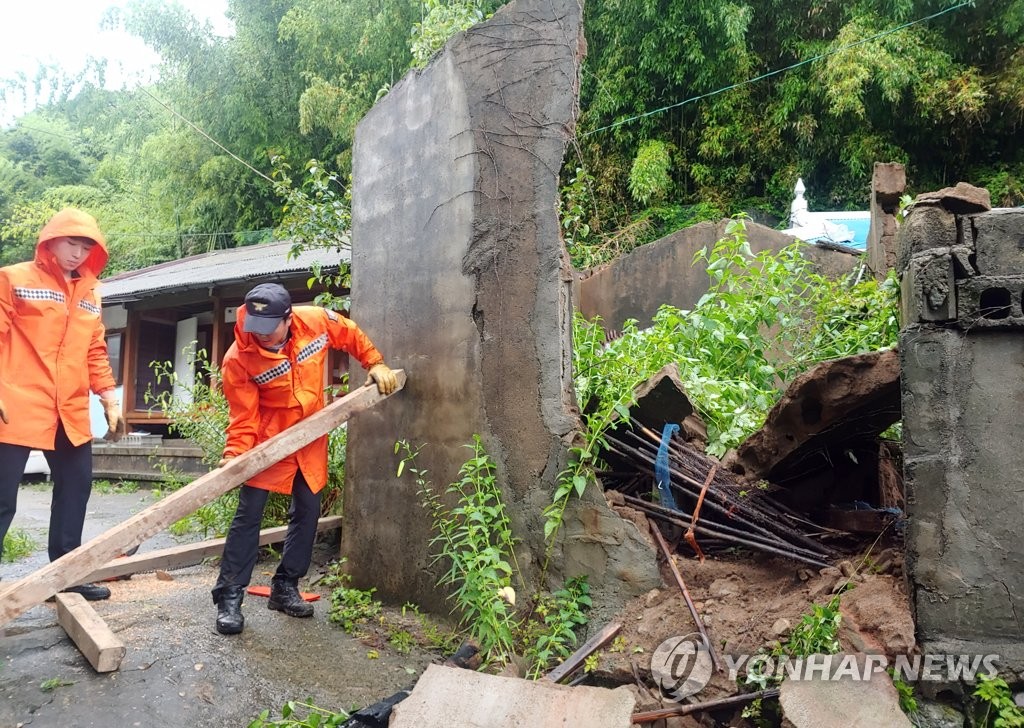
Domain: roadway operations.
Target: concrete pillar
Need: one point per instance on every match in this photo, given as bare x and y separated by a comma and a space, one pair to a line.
962, 359
460, 277
888, 183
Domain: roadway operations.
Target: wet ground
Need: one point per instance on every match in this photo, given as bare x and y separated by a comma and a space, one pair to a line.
178, 671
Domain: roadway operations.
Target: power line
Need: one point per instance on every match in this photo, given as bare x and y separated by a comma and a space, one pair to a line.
207, 136
783, 70
187, 234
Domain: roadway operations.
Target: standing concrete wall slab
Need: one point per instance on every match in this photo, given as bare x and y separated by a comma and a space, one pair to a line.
962, 357
460, 277
636, 285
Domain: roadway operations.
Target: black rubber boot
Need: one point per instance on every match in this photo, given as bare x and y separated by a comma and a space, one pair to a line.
285, 597
229, 610
91, 592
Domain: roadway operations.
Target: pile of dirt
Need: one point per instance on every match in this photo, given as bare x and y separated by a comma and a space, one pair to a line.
747, 601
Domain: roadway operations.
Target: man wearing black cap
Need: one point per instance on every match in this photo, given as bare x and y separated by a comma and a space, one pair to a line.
273, 377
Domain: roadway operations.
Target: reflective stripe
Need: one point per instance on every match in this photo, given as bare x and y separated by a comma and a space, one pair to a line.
39, 294
90, 307
273, 373
316, 345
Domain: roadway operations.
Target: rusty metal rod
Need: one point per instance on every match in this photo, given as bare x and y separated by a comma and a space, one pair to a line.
725, 533
652, 715
771, 522
784, 549
667, 553
630, 451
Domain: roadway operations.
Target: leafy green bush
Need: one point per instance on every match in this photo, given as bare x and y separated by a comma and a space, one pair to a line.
764, 319
475, 541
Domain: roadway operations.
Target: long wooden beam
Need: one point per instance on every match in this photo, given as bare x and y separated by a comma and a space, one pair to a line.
76, 567
178, 557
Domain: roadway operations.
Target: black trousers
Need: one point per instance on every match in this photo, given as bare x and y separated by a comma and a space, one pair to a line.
243, 542
71, 470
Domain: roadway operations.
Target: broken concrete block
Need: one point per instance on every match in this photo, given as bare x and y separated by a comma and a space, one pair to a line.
845, 700
446, 697
927, 226
927, 289
661, 400
990, 302
456, 184
888, 183
856, 396
962, 199
999, 242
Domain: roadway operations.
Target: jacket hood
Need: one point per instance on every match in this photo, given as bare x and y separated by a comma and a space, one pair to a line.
71, 222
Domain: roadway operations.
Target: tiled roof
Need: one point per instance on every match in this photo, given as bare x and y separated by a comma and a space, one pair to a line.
218, 267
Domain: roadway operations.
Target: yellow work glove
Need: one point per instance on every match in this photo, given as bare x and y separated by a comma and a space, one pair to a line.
115, 422
386, 380
225, 460
3, 413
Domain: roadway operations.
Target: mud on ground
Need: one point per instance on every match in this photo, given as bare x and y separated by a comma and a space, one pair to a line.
178, 671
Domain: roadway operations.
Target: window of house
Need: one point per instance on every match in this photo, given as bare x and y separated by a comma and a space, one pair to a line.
114, 354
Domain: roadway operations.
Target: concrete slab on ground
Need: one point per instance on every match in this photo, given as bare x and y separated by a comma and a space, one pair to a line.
446, 697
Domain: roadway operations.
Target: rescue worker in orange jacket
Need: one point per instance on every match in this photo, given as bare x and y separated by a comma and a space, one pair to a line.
273, 376
52, 352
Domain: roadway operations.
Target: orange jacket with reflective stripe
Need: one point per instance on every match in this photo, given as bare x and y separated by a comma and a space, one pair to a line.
269, 391
52, 350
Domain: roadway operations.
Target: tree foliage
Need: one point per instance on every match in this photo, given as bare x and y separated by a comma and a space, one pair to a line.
689, 110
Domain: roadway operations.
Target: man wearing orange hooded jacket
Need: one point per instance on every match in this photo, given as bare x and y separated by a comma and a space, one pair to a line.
273, 377
52, 352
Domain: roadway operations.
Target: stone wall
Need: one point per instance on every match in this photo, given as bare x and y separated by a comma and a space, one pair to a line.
636, 285
460, 278
962, 359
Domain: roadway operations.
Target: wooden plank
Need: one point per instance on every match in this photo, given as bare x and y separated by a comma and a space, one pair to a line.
574, 661
91, 635
178, 557
76, 566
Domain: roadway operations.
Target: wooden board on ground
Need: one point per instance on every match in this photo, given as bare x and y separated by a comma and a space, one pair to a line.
178, 557
75, 567
91, 635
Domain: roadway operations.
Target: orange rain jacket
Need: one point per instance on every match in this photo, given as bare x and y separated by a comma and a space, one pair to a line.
269, 391
52, 350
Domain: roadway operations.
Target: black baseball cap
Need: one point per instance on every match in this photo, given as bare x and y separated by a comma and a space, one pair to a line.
266, 306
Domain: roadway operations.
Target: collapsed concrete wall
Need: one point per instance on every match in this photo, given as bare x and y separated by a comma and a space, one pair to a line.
636, 285
961, 351
460, 277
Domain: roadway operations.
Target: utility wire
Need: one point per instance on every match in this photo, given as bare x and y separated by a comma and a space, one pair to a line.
207, 136
763, 76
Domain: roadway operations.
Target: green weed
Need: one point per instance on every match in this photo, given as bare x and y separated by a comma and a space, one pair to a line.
18, 544
351, 608
296, 714
48, 686
474, 539
106, 487
996, 707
